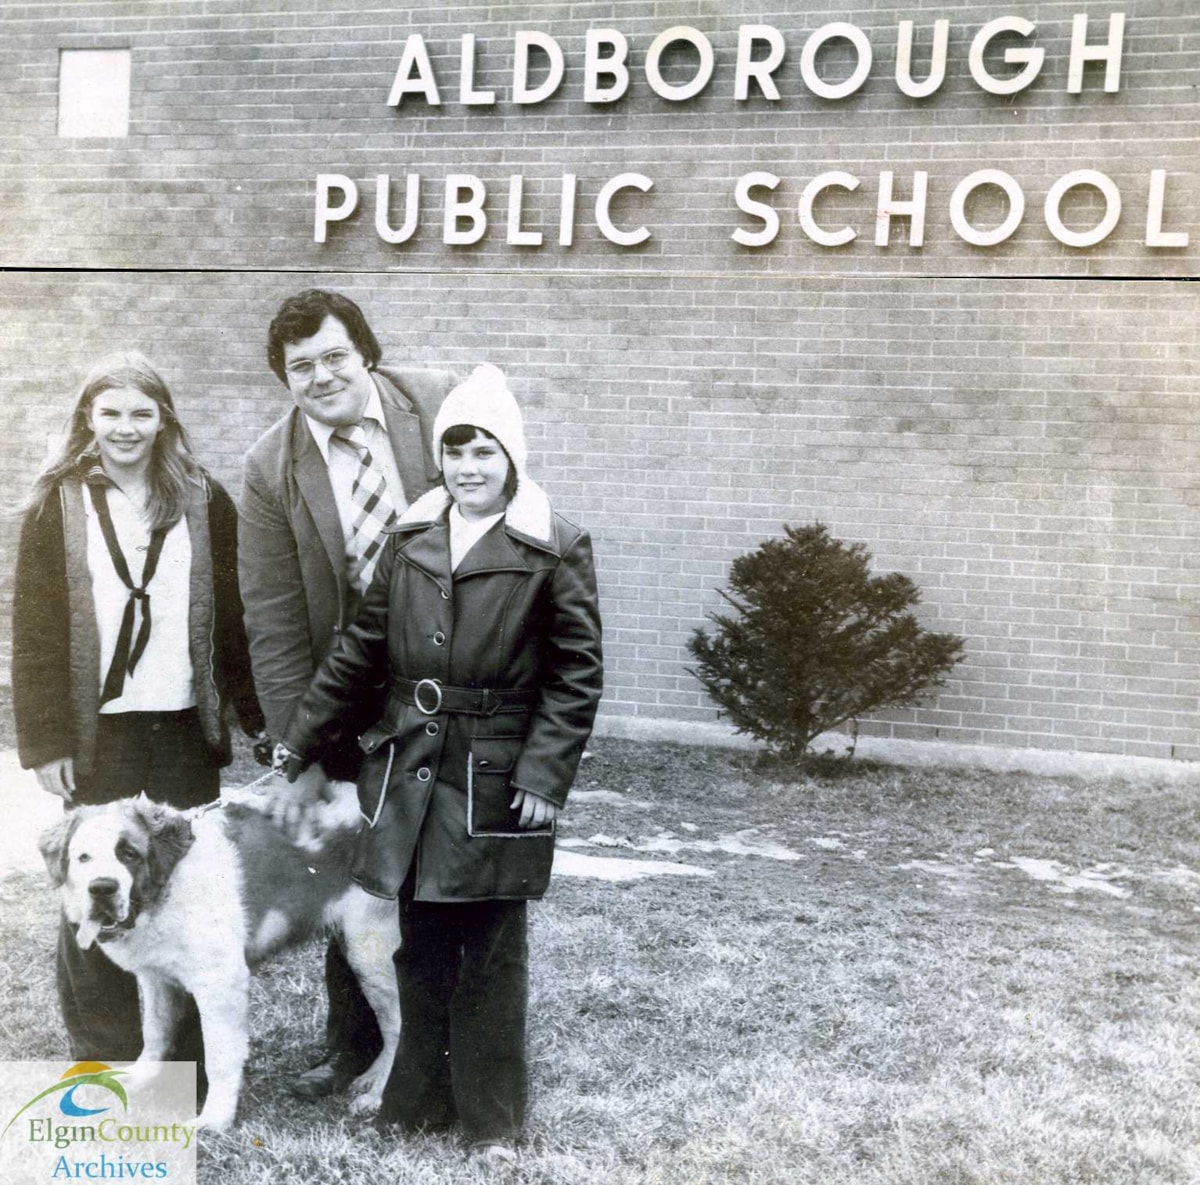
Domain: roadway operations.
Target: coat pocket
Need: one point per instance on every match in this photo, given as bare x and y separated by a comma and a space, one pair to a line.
489, 790
379, 754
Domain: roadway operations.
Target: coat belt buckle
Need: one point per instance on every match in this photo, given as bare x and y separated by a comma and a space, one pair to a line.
437, 690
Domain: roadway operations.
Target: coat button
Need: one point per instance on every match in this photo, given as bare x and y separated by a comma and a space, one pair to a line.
431, 728
445, 595
439, 639
423, 774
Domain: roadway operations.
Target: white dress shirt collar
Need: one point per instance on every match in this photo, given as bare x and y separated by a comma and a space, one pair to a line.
322, 432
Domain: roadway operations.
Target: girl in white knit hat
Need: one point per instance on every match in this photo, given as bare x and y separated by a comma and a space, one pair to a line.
482, 618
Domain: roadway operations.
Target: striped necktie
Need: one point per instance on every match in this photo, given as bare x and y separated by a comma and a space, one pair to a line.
373, 506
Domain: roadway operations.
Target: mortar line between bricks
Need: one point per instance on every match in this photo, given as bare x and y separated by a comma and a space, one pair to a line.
608, 273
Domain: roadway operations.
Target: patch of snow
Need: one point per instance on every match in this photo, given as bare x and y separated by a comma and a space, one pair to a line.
1180, 875
599, 840
830, 845
933, 867
1098, 879
615, 869
27, 810
612, 796
1038, 870
742, 843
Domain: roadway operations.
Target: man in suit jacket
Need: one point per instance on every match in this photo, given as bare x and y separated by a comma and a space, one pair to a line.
302, 560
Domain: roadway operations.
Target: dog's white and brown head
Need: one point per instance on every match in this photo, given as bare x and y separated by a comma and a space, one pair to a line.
111, 862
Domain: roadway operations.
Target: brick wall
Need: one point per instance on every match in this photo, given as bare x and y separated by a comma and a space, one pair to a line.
237, 107
1016, 428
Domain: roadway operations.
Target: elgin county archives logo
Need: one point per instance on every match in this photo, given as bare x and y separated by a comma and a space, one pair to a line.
87, 1112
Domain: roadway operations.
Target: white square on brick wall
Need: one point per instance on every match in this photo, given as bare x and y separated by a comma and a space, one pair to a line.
93, 92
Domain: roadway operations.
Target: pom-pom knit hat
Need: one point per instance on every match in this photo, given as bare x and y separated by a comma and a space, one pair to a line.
483, 400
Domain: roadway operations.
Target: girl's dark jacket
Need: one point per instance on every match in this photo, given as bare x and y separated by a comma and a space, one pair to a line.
519, 616
56, 644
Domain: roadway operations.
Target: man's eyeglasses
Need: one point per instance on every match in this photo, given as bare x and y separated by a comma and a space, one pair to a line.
304, 370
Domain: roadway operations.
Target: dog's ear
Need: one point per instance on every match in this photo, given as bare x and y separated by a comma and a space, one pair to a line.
53, 843
170, 837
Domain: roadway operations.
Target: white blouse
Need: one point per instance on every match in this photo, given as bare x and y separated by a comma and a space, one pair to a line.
163, 679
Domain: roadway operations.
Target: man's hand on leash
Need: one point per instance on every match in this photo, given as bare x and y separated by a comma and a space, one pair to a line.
535, 811
264, 748
290, 764
307, 788
57, 777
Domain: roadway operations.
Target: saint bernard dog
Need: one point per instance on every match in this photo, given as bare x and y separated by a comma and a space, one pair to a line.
198, 900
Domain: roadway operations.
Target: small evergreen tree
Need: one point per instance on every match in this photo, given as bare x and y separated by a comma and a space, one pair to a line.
816, 641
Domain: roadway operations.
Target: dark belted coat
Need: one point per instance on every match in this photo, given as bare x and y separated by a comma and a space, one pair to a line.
520, 615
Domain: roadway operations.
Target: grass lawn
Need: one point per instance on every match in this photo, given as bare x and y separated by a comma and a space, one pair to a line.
889, 976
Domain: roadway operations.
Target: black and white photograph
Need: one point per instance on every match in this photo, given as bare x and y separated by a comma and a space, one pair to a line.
601, 593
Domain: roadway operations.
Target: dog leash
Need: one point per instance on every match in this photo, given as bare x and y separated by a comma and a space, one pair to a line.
238, 795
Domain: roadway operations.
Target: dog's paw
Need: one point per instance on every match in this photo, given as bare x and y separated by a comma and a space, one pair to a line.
366, 1093
365, 1104
212, 1120
140, 1074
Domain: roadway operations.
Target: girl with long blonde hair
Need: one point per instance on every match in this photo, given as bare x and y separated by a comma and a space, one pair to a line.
128, 644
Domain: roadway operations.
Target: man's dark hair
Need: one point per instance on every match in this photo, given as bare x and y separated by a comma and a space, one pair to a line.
300, 316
